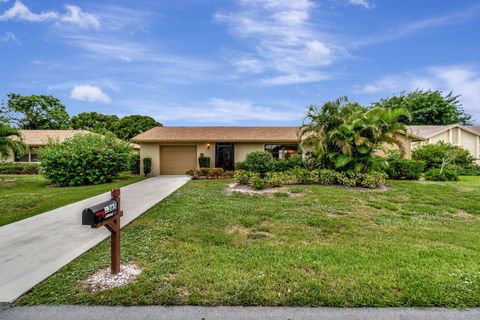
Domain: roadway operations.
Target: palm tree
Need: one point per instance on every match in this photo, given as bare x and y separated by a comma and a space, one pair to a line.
345, 136
10, 139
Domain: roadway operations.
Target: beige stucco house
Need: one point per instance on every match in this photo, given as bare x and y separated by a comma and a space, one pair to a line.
467, 137
35, 139
174, 150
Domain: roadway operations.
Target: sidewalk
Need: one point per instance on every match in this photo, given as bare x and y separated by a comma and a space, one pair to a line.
233, 313
32, 249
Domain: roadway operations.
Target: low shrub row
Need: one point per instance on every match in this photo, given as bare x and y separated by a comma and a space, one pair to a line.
209, 173
262, 162
441, 175
370, 180
405, 169
19, 168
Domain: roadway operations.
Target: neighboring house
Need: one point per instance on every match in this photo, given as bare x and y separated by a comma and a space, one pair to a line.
35, 139
467, 137
174, 150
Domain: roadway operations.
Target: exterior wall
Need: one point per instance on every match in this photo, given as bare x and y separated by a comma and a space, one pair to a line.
455, 135
469, 142
150, 150
207, 152
241, 150
444, 136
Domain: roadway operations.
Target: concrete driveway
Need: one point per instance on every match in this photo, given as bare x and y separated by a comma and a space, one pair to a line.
34, 248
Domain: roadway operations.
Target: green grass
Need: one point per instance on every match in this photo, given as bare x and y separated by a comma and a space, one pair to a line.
416, 244
23, 196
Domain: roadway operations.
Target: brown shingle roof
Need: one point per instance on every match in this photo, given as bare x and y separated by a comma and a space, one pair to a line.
41, 137
218, 134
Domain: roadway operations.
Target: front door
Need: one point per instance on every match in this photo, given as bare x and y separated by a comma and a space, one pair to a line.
224, 156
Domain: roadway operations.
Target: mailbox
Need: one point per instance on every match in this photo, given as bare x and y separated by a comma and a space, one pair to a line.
100, 212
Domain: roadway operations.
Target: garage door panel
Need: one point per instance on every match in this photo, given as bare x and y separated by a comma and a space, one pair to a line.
177, 159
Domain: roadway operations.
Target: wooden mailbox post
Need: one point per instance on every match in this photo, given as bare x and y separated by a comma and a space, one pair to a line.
107, 214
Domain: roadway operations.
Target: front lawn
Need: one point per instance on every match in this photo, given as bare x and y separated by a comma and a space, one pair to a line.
23, 196
416, 244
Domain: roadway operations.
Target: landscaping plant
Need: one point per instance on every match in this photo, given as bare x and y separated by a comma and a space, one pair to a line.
436, 174
135, 163
10, 140
443, 154
345, 136
147, 166
84, 159
203, 162
19, 168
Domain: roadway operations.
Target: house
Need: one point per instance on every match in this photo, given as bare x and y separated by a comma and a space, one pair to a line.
467, 137
35, 139
174, 150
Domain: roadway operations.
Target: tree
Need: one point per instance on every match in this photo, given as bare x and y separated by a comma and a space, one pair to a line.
11, 141
442, 154
130, 126
345, 136
428, 108
35, 112
94, 122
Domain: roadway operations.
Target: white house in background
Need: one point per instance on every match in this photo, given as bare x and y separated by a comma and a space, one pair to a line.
467, 137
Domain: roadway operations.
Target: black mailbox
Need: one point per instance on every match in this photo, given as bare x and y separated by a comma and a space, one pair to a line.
99, 212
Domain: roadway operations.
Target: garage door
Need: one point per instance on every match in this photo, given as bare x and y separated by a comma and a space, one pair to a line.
177, 159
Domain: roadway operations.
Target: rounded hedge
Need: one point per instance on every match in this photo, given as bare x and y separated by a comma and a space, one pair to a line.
85, 159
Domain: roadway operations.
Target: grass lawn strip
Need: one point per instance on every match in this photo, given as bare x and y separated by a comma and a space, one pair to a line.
415, 244
24, 196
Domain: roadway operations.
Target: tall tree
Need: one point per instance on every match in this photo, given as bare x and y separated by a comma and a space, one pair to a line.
129, 126
94, 122
345, 136
11, 141
428, 108
35, 112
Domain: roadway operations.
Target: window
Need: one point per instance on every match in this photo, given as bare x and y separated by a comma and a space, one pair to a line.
282, 151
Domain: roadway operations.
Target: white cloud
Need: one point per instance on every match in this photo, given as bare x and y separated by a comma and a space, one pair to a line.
74, 16
10, 37
296, 78
364, 3
217, 110
462, 80
282, 38
86, 92
442, 20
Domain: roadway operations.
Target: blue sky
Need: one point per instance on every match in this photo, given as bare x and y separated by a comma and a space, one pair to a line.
243, 62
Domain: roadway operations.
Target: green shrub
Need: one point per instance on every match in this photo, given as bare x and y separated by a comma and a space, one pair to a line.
242, 177
405, 169
433, 155
135, 163
303, 176
277, 179
281, 165
85, 159
215, 172
241, 165
446, 175
19, 168
259, 162
468, 171
257, 182
371, 180
204, 162
147, 166
325, 176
